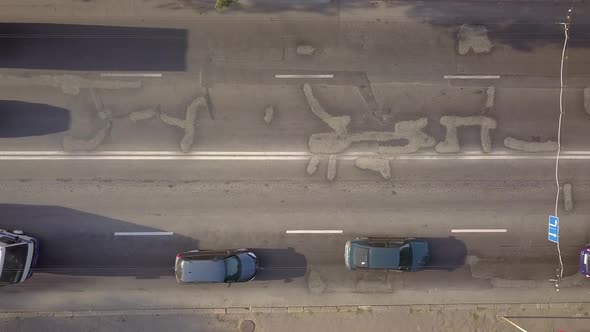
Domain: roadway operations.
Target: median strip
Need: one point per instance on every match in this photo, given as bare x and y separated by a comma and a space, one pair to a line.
271, 155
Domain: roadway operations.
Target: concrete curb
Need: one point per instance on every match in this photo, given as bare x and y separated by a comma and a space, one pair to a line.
293, 309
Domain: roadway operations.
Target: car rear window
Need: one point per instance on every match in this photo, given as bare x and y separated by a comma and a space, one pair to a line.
361, 257
405, 256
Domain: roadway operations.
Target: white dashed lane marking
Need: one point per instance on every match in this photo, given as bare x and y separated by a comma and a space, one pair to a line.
471, 77
315, 231
482, 230
143, 233
304, 76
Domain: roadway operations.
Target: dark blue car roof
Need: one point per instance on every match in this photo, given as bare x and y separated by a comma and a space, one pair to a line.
383, 258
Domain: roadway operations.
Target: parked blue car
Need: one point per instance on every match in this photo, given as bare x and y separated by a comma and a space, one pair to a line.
386, 254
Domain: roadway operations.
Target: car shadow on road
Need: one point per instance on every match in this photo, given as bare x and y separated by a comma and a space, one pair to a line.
446, 253
22, 119
73, 242
92, 47
280, 264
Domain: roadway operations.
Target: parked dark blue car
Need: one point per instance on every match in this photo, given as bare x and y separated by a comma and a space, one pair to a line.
386, 254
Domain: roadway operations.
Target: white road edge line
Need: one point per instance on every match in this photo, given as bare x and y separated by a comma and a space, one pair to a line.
130, 74
471, 77
483, 230
304, 76
143, 233
315, 231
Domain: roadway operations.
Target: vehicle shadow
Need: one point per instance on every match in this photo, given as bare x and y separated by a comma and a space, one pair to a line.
22, 119
73, 242
446, 253
280, 264
92, 47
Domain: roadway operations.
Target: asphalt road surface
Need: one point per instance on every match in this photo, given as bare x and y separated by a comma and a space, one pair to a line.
227, 132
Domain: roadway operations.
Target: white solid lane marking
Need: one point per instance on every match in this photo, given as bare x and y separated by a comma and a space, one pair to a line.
130, 74
315, 231
483, 230
143, 233
272, 155
304, 76
471, 77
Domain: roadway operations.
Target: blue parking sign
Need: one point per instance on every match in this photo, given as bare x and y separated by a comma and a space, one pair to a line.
553, 234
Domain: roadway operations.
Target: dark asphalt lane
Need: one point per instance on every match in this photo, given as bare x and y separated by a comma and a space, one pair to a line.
92, 47
74, 242
77, 243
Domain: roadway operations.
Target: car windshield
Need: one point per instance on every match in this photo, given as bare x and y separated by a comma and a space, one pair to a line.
232, 268
405, 257
15, 260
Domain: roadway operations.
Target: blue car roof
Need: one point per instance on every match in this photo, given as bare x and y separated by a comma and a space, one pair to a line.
384, 258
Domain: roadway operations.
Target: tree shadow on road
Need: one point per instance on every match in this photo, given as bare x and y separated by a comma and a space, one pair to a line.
515, 24
324, 7
73, 242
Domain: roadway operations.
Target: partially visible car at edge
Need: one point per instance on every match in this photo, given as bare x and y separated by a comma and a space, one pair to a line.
216, 266
386, 254
18, 256
585, 261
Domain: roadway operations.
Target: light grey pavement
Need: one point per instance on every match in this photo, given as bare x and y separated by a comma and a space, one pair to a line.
188, 151
417, 318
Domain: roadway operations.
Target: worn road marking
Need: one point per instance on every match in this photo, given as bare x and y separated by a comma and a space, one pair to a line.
315, 231
143, 233
273, 155
482, 230
471, 77
130, 74
304, 76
